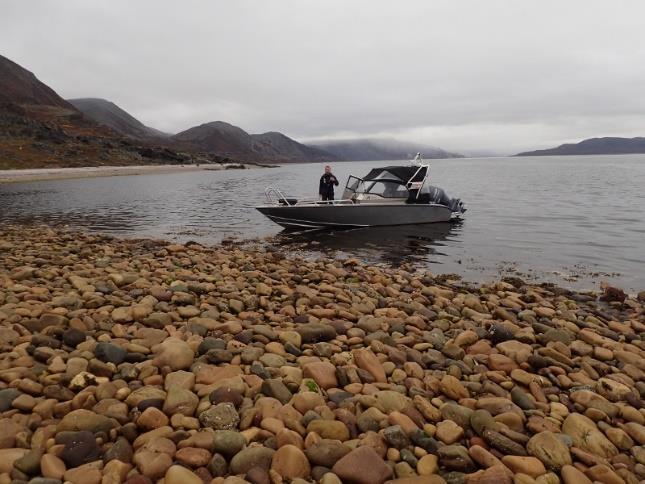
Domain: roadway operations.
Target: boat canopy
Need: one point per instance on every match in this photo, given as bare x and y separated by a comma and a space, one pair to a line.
397, 174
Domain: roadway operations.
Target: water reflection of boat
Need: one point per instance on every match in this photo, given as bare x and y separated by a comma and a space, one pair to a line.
387, 196
393, 245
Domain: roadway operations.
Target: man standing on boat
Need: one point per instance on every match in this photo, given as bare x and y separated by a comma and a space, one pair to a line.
327, 182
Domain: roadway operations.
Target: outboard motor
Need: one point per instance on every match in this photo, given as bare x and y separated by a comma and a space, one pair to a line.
432, 194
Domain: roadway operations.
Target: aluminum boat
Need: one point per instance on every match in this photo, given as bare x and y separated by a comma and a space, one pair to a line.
392, 195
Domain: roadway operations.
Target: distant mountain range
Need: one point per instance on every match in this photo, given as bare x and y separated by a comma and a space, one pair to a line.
38, 129
109, 114
594, 146
381, 149
228, 140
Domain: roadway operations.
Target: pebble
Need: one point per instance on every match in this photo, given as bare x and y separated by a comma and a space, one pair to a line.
136, 361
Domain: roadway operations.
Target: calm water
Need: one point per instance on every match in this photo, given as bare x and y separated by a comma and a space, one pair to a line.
572, 220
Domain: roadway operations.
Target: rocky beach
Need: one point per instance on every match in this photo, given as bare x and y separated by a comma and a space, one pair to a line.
145, 361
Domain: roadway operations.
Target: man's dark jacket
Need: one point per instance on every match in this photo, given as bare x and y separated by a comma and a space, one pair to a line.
327, 182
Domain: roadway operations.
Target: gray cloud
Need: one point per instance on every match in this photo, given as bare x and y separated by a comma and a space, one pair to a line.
466, 75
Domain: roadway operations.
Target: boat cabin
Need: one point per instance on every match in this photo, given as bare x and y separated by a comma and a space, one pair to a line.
391, 184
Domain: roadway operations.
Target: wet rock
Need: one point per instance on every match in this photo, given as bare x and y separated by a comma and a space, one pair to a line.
276, 389
362, 466
326, 452
222, 416
586, 436
110, 353
551, 451
314, 332
251, 457
80, 448
228, 442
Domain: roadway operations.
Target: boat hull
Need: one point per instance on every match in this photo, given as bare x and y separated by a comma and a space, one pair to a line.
366, 215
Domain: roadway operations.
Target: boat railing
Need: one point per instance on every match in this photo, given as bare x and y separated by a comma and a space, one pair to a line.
275, 196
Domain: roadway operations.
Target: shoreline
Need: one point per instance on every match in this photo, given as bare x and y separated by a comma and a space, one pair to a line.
144, 360
45, 174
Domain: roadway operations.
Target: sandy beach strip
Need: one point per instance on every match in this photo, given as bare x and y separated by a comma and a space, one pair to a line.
40, 174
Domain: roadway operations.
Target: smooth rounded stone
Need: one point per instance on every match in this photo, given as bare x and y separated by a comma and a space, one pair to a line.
9, 456
121, 450
586, 436
153, 464
226, 394
152, 418
193, 456
427, 443
177, 474
524, 465
482, 420
84, 474
322, 372
366, 423
457, 413
408, 457
498, 333
497, 405
85, 420
503, 443
603, 473
210, 343
367, 360
174, 353
428, 465
449, 432
251, 457
315, 332
326, 452
217, 356
271, 360
276, 389
73, 337
329, 429
110, 353
452, 388
305, 401
79, 448
257, 475
290, 462
396, 437
522, 399
550, 449
29, 463
52, 467
180, 401
7, 396
455, 458
388, 401
497, 474
636, 431
218, 466
228, 442
571, 475
329, 478
222, 416
362, 466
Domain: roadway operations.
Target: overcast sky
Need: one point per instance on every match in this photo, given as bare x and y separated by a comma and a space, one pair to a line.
499, 75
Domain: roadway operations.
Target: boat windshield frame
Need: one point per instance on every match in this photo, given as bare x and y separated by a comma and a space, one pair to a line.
357, 185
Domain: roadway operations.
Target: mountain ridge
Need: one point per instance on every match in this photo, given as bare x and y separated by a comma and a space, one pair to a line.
110, 114
230, 140
609, 145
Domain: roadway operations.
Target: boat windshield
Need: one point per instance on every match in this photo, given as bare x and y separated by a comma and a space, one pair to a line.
382, 187
386, 189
